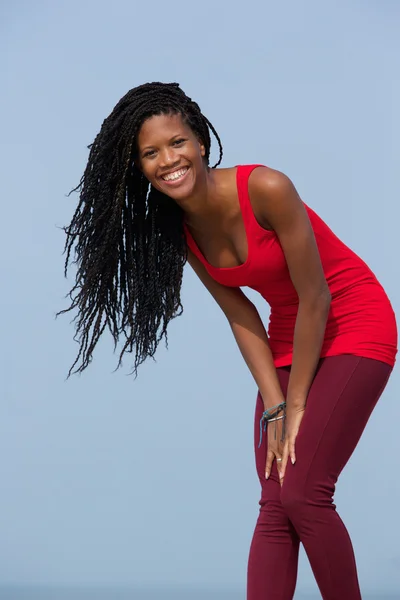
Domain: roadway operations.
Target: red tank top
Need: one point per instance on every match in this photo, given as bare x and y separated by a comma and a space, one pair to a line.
361, 320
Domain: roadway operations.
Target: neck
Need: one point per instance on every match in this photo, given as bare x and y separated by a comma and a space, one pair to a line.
203, 205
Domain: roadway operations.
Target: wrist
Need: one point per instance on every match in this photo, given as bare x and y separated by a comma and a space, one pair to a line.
296, 402
269, 402
273, 414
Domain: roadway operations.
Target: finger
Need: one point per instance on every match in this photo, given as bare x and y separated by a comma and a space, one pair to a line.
283, 464
279, 465
292, 453
268, 466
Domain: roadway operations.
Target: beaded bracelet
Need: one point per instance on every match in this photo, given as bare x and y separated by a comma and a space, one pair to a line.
270, 415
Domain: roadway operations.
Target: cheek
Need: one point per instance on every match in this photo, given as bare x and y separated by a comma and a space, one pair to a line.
151, 178
147, 170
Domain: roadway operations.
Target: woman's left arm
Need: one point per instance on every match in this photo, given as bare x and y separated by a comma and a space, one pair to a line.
278, 206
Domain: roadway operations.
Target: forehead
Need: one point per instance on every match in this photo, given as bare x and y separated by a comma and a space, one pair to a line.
161, 127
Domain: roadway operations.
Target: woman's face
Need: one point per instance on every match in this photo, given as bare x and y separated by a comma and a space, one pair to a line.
170, 155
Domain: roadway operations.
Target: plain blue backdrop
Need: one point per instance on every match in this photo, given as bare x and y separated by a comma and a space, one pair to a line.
108, 480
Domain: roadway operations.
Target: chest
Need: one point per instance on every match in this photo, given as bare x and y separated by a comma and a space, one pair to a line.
265, 271
223, 245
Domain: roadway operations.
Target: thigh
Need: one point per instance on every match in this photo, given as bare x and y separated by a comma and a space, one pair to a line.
343, 394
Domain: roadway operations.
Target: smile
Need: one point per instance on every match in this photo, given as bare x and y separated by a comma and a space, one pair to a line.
175, 176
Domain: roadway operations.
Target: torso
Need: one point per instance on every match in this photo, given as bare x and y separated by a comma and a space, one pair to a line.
238, 250
224, 243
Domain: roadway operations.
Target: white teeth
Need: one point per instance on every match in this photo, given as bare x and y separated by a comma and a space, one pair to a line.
176, 175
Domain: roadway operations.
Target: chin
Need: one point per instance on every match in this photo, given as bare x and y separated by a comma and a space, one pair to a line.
178, 194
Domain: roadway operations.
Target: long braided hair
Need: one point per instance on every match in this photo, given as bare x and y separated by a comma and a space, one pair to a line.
127, 238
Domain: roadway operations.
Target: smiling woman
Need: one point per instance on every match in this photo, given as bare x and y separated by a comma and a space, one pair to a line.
149, 202
171, 155
127, 233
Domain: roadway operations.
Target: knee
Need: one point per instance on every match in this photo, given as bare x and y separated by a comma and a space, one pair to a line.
298, 501
272, 522
293, 500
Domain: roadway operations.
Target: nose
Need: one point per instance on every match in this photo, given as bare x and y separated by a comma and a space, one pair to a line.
168, 157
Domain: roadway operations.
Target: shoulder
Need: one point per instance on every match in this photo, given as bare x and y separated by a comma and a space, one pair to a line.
265, 182
273, 197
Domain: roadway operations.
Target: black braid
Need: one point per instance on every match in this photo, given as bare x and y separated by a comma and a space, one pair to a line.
127, 238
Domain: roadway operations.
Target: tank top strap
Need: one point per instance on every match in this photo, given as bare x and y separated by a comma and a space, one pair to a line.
193, 246
242, 178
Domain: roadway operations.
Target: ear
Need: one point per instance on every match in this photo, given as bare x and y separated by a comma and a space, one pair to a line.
202, 149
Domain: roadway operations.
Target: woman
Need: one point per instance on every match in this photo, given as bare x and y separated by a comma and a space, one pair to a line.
149, 202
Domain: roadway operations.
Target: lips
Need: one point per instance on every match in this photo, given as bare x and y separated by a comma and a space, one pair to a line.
175, 176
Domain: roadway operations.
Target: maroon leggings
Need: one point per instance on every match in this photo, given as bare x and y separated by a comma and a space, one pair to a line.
343, 394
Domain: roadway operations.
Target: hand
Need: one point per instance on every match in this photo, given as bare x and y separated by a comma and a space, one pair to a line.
294, 417
275, 447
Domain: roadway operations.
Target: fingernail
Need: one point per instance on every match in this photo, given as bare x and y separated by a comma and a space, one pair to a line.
266, 475
293, 461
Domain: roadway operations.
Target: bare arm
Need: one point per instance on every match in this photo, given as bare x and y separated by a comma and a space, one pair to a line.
278, 205
249, 333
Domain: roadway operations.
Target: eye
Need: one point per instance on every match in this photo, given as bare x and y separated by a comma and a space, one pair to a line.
178, 142
149, 153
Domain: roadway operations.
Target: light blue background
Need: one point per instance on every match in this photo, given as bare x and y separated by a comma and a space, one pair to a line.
110, 481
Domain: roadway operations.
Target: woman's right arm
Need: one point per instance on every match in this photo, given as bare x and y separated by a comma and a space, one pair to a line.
249, 333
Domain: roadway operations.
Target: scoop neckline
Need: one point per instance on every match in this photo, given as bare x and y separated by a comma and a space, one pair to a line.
199, 252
